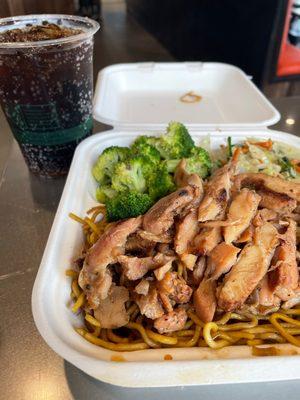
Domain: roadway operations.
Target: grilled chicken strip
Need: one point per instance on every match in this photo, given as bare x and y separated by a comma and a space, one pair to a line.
293, 301
221, 259
205, 301
175, 288
278, 202
284, 279
111, 312
206, 240
266, 296
186, 230
149, 305
276, 193
183, 178
216, 193
242, 209
94, 279
159, 219
275, 184
134, 267
171, 322
250, 268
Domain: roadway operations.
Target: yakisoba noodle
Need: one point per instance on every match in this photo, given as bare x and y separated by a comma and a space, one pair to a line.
228, 329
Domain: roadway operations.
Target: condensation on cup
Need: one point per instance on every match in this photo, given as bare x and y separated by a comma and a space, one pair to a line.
46, 86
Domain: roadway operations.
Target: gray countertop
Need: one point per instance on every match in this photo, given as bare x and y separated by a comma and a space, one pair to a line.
29, 368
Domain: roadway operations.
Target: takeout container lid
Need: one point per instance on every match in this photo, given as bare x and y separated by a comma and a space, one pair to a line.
148, 95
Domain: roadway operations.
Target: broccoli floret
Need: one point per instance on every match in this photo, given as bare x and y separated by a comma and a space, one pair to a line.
104, 166
160, 183
105, 192
132, 174
199, 163
176, 143
143, 145
127, 205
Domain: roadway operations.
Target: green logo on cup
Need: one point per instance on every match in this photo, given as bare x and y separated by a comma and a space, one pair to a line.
40, 125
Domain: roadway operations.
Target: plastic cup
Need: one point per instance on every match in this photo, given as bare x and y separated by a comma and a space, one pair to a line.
46, 90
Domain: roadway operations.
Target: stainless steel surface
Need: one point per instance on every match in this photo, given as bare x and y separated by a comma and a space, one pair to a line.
29, 368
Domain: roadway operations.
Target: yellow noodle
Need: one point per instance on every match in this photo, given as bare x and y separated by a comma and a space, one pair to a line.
222, 335
291, 339
241, 335
270, 336
72, 273
180, 269
193, 341
104, 334
97, 331
295, 311
239, 316
185, 332
116, 338
134, 315
254, 342
265, 351
188, 324
100, 208
141, 330
79, 303
224, 319
93, 226
240, 325
111, 346
92, 320
93, 238
75, 288
76, 218
213, 327
131, 309
195, 319
161, 338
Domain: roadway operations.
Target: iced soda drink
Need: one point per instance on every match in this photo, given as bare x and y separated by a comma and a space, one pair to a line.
46, 86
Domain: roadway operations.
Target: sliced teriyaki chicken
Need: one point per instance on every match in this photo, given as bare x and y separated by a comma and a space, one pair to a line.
183, 178
199, 269
186, 230
94, 278
142, 287
246, 236
172, 321
259, 181
159, 219
216, 193
206, 240
221, 259
149, 305
111, 312
242, 209
205, 301
134, 267
264, 215
278, 202
266, 295
277, 194
137, 245
284, 279
175, 288
252, 265
293, 301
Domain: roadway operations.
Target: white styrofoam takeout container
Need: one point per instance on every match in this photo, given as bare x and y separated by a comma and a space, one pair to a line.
141, 99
